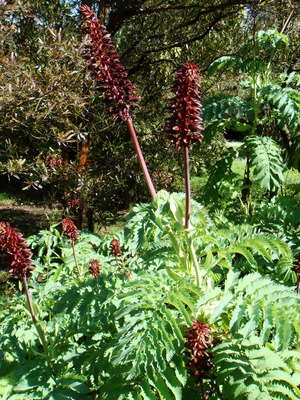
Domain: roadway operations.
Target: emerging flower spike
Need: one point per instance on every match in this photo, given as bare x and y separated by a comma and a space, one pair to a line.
13, 243
69, 229
115, 247
95, 268
198, 342
128, 274
108, 70
185, 124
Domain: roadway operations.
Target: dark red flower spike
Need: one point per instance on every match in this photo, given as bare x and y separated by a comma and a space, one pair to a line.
113, 79
95, 268
69, 229
115, 247
185, 124
199, 341
108, 70
13, 243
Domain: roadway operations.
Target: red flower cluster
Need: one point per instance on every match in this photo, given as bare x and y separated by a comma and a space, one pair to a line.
297, 264
69, 229
198, 342
109, 72
54, 163
95, 268
115, 247
185, 124
296, 268
128, 274
74, 204
13, 243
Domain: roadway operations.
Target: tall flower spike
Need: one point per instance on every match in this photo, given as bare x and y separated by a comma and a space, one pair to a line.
13, 243
111, 75
108, 70
185, 124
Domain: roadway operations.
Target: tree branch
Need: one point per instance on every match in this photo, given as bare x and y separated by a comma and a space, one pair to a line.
180, 43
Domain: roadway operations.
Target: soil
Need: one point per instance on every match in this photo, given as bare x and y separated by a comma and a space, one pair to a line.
26, 210
28, 219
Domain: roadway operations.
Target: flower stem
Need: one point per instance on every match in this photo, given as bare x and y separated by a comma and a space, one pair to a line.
195, 264
187, 187
29, 299
288, 19
141, 157
282, 30
75, 257
178, 251
35, 321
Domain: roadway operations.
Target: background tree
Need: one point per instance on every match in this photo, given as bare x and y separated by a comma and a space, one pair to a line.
50, 106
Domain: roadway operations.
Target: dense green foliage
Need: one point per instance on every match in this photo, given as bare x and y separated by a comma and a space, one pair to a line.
122, 335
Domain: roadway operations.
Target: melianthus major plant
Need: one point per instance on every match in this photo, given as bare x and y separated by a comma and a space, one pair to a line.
185, 124
112, 337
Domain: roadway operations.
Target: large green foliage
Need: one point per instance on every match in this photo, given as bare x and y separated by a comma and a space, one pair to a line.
267, 111
122, 335
267, 97
256, 360
155, 232
266, 161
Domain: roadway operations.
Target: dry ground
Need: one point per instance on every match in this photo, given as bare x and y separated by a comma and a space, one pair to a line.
27, 219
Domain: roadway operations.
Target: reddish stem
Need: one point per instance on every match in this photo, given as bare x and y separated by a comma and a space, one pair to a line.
141, 157
187, 187
29, 298
75, 257
35, 321
117, 262
288, 20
